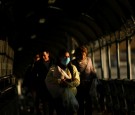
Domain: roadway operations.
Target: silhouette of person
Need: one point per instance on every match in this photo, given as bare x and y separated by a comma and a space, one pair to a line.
42, 95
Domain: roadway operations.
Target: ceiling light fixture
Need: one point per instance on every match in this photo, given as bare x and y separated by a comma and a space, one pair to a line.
42, 20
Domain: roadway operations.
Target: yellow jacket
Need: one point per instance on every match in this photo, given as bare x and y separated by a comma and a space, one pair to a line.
56, 75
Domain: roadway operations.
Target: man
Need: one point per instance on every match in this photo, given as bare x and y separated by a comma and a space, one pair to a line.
29, 81
40, 71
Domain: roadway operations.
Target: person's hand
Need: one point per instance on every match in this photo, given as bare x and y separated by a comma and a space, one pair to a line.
63, 83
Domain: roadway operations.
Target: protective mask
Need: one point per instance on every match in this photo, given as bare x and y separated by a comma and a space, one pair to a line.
65, 61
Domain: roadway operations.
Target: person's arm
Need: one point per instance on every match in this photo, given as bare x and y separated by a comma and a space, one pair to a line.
76, 78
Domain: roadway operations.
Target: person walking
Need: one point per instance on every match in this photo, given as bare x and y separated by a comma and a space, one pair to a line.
85, 67
43, 97
28, 85
63, 76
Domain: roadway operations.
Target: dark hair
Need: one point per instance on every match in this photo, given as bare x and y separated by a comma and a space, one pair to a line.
80, 50
62, 52
44, 50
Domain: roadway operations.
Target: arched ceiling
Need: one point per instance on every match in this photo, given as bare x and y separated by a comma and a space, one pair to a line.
84, 20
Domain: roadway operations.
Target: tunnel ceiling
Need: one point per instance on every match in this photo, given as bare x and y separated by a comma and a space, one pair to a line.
85, 20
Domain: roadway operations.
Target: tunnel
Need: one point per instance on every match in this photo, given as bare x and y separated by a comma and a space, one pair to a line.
29, 26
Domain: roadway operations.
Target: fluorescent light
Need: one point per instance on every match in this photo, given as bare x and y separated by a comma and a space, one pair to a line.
42, 20
33, 36
20, 48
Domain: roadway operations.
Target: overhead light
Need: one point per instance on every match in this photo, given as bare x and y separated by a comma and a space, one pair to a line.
42, 20
29, 14
53, 7
33, 36
20, 48
51, 1
84, 14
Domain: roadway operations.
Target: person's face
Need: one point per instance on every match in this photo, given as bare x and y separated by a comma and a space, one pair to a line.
37, 57
65, 59
81, 56
67, 55
46, 56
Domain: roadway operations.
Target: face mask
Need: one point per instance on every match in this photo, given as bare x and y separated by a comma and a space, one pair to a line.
65, 61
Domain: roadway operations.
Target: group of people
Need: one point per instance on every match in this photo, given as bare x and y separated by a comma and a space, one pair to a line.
50, 77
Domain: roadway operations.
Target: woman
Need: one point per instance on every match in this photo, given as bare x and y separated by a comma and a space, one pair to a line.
84, 66
60, 76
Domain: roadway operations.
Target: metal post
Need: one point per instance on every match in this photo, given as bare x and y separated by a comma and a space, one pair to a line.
109, 60
102, 71
128, 51
118, 59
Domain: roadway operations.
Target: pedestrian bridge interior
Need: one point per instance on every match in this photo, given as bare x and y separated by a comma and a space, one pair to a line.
27, 26
32, 24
